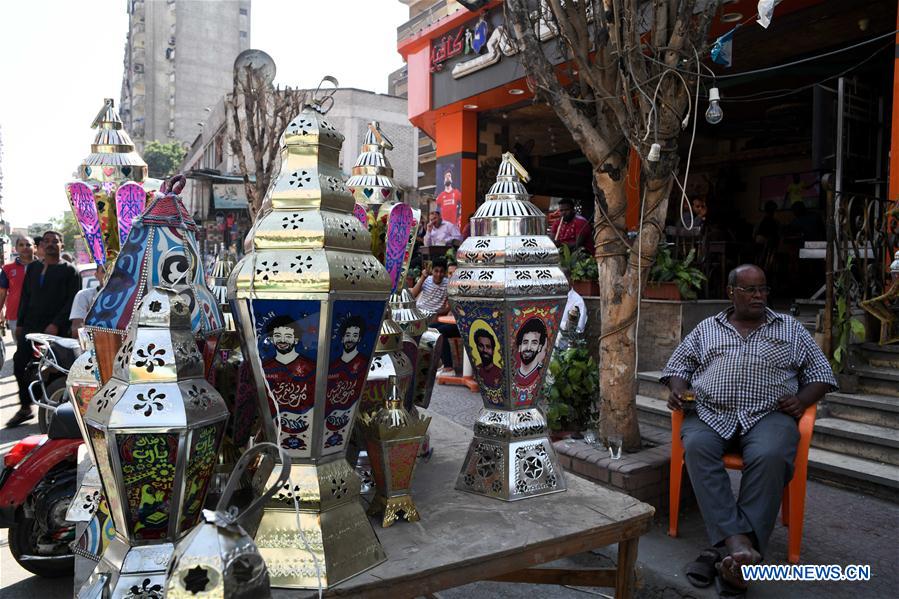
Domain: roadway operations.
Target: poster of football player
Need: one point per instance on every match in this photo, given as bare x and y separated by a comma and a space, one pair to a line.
485, 349
449, 200
484, 345
531, 352
352, 341
287, 333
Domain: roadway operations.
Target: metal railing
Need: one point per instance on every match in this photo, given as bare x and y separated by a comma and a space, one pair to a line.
422, 20
862, 233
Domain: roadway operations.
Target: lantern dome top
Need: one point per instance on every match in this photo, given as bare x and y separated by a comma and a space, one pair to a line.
112, 147
508, 209
309, 128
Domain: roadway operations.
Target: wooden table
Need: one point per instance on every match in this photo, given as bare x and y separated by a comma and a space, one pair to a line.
463, 538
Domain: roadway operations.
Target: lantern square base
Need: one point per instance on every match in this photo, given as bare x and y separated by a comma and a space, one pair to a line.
332, 545
511, 470
126, 571
391, 509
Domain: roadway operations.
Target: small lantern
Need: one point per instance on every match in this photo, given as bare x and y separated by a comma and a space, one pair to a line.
507, 295
155, 429
393, 438
218, 558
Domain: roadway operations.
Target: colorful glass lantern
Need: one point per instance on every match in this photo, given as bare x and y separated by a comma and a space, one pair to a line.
161, 249
507, 295
393, 439
155, 429
309, 300
218, 558
109, 196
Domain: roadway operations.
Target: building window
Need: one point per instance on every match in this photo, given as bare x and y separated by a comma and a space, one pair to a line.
243, 34
244, 11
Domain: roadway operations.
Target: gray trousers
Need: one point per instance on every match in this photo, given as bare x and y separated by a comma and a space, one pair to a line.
768, 451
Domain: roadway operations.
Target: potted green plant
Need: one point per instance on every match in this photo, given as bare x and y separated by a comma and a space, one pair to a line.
672, 279
570, 394
581, 270
845, 327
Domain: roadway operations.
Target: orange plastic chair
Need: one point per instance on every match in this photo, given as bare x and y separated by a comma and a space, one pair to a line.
792, 509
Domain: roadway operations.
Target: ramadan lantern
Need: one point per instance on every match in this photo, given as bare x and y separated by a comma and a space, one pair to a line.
309, 299
393, 439
218, 558
507, 295
109, 195
155, 428
161, 249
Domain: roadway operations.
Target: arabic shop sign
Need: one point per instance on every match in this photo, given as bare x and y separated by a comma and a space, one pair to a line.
229, 196
463, 41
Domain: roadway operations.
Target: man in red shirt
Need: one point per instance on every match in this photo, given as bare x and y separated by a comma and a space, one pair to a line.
572, 229
531, 340
347, 372
11, 278
449, 201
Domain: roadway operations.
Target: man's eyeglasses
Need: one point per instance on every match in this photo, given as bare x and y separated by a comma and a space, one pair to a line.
761, 289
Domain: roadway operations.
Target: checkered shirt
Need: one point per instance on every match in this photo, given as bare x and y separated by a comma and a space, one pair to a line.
738, 381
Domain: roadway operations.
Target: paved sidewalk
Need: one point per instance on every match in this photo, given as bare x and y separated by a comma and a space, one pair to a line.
841, 527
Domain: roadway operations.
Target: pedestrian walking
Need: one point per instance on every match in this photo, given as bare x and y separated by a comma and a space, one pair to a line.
11, 278
44, 307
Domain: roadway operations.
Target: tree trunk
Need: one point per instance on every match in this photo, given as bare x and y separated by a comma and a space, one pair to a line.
620, 284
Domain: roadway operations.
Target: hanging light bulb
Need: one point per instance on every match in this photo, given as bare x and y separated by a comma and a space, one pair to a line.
714, 114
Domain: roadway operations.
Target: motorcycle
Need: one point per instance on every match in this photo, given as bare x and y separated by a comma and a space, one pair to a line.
54, 357
37, 485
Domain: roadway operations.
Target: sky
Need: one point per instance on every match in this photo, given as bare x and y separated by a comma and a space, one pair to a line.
60, 58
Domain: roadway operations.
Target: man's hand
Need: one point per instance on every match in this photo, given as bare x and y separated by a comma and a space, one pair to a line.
677, 386
792, 405
52, 329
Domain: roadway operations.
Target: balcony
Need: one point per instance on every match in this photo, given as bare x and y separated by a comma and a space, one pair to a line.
426, 18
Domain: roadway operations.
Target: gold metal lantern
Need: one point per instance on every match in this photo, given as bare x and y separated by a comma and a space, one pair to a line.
507, 295
155, 428
309, 300
393, 439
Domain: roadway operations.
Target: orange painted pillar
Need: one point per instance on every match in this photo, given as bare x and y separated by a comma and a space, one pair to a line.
457, 154
893, 182
632, 215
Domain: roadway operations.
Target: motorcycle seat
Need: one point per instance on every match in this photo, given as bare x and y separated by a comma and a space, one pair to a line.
64, 425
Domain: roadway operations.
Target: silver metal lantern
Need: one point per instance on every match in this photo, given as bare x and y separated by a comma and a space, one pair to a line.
155, 428
507, 295
218, 558
309, 300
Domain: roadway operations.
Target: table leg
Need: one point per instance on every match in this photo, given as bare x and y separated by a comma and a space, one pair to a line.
627, 557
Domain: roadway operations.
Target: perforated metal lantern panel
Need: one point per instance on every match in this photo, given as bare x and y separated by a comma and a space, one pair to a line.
507, 295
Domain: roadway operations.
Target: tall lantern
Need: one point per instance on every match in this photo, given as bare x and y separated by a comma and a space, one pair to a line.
155, 428
309, 300
161, 249
507, 295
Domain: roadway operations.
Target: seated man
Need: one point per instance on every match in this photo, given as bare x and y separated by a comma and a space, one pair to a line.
754, 372
430, 297
441, 232
572, 229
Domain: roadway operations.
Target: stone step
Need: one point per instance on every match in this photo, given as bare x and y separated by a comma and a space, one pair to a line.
653, 412
648, 385
857, 474
879, 356
879, 410
881, 381
867, 441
